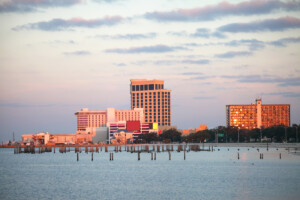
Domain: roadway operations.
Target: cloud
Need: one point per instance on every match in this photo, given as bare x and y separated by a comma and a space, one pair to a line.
191, 73
178, 33
252, 44
106, 1
284, 94
146, 49
279, 24
33, 5
284, 41
197, 62
172, 62
120, 64
281, 81
77, 53
62, 24
206, 33
129, 36
232, 54
212, 12
62, 42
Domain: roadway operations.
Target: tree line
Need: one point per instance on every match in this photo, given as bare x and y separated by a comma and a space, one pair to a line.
224, 134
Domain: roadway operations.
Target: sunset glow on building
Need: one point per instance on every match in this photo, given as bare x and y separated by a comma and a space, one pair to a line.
156, 101
257, 115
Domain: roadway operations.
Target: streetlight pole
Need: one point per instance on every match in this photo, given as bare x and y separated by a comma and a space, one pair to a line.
285, 134
260, 134
296, 133
238, 134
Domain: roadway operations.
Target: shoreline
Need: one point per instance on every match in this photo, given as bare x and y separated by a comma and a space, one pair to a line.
253, 145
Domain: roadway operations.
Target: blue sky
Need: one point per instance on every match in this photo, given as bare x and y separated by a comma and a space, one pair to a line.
57, 57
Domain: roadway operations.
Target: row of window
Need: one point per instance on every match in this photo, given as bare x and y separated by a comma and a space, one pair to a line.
147, 87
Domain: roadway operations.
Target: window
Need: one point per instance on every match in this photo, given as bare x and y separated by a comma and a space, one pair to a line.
141, 87
137, 87
151, 87
145, 87
133, 88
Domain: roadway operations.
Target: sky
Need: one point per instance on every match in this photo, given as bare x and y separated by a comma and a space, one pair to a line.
57, 57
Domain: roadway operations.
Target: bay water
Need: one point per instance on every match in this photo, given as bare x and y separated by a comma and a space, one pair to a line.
203, 175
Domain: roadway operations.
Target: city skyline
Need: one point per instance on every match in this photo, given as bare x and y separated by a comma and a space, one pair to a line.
57, 57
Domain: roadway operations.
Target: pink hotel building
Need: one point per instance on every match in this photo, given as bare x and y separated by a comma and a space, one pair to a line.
98, 118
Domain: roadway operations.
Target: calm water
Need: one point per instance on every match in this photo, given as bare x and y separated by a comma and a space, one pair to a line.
203, 175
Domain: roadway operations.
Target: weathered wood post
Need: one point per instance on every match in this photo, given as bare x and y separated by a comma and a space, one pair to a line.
151, 155
238, 156
169, 155
92, 156
77, 156
184, 153
279, 155
154, 155
139, 156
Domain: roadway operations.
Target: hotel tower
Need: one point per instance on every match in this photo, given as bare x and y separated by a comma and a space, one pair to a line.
156, 101
257, 115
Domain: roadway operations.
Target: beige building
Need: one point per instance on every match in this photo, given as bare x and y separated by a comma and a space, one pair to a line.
156, 101
257, 115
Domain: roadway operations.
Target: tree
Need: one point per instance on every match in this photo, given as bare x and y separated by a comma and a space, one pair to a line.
170, 135
148, 137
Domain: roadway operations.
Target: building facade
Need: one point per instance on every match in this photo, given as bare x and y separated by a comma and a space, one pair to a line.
257, 115
156, 101
202, 127
97, 118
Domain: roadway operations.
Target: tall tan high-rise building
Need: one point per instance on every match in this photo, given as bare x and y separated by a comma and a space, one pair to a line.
257, 115
156, 101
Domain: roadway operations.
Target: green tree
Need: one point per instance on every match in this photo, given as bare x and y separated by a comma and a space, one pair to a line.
170, 135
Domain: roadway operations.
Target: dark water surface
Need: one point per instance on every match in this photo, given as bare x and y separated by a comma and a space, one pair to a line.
203, 175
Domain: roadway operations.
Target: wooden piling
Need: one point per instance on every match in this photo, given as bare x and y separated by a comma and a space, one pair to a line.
169, 155
154, 155
77, 156
184, 154
151, 155
139, 156
92, 156
238, 156
106, 149
279, 155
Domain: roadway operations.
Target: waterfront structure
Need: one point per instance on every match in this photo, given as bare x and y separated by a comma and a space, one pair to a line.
97, 118
47, 138
127, 131
156, 101
257, 115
